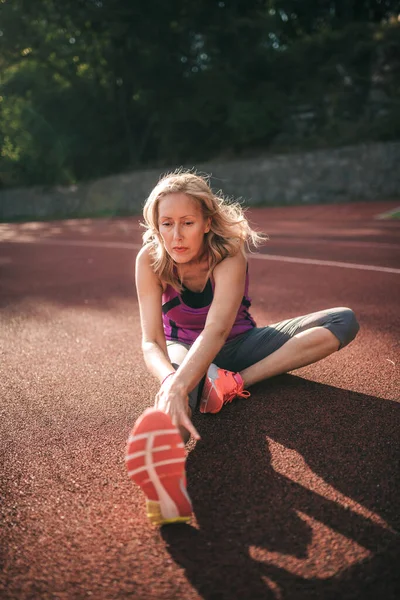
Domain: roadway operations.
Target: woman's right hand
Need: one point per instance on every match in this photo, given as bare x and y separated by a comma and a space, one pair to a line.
173, 399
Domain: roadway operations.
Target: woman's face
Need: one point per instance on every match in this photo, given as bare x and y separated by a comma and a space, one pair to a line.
182, 227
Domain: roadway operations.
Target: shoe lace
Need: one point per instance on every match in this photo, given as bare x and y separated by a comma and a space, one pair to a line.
236, 393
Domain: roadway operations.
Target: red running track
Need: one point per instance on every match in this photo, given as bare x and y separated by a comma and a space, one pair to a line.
295, 492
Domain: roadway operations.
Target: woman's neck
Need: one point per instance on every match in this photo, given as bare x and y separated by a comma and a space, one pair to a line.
194, 274
200, 262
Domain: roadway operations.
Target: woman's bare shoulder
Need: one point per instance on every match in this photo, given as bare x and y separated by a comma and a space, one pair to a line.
144, 267
144, 255
238, 259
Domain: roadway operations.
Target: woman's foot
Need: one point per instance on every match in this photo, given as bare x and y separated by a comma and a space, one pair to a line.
155, 459
220, 387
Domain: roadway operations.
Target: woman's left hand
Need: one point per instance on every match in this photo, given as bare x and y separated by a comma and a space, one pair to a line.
173, 400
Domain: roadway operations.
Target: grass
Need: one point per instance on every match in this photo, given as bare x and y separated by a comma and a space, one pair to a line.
391, 214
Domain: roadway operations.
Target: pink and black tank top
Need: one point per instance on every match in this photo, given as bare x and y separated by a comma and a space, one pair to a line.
184, 314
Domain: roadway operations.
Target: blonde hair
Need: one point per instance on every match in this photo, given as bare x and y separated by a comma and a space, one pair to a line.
229, 228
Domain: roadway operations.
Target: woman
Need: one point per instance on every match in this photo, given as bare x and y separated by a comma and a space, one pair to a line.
198, 337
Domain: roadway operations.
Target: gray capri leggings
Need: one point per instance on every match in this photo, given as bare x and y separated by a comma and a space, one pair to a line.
257, 343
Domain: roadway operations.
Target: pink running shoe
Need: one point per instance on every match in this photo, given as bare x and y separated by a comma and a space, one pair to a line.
220, 387
155, 459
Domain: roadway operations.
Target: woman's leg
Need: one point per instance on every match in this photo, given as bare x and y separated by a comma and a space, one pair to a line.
303, 349
268, 351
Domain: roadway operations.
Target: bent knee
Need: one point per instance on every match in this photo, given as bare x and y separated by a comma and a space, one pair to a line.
349, 326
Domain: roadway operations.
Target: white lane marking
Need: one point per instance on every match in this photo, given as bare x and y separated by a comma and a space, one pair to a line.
323, 263
336, 242
276, 257
84, 243
29, 239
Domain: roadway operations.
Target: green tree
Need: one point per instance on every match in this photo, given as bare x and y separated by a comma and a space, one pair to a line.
92, 87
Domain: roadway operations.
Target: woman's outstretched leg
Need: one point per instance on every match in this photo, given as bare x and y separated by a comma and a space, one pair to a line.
155, 459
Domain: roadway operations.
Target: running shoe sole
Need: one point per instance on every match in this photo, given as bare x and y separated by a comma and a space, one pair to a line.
155, 460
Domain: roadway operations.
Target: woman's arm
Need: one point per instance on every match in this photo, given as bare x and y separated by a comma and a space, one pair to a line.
149, 291
229, 277
172, 398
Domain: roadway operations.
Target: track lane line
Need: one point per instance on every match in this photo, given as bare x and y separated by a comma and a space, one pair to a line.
323, 263
335, 242
253, 255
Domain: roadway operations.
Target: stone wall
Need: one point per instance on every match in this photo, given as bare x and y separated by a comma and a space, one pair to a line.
366, 172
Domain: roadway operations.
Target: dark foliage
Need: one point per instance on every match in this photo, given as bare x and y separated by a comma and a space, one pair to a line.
93, 87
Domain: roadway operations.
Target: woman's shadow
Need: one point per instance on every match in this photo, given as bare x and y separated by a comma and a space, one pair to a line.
295, 495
